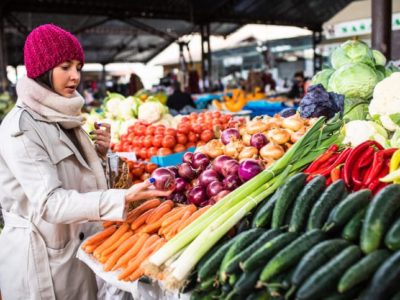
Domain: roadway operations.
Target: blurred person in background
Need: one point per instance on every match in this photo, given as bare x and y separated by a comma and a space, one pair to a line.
298, 89
135, 84
178, 99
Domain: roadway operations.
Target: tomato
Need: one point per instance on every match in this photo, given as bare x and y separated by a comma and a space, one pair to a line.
159, 130
143, 153
207, 135
201, 120
164, 151
179, 148
216, 114
216, 122
200, 115
131, 129
136, 150
193, 137
157, 140
193, 115
181, 138
168, 141
150, 167
170, 131
185, 120
140, 129
183, 128
196, 128
148, 141
190, 144
140, 140
137, 171
152, 151
150, 130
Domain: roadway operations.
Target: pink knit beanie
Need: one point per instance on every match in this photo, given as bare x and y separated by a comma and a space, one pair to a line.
48, 46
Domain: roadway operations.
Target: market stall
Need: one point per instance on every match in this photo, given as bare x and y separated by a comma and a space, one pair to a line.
302, 205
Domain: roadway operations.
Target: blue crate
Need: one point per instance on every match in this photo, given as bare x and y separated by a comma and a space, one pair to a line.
263, 107
170, 160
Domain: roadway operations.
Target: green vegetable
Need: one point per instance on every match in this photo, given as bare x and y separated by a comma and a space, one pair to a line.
263, 216
351, 231
322, 77
380, 59
247, 282
379, 217
355, 109
352, 51
392, 239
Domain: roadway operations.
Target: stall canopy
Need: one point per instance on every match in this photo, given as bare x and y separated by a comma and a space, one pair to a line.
136, 31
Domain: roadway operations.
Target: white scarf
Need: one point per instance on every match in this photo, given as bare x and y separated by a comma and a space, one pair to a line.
64, 111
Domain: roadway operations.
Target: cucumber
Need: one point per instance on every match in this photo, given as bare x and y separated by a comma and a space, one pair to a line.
291, 254
349, 295
304, 203
267, 251
347, 208
392, 239
242, 241
351, 231
325, 278
233, 279
363, 270
247, 282
379, 217
263, 216
287, 196
207, 284
316, 257
385, 282
259, 295
233, 265
328, 200
210, 253
211, 266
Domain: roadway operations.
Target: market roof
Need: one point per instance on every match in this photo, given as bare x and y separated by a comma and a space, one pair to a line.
136, 31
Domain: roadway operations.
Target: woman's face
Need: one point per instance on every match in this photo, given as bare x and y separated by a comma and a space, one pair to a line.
66, 78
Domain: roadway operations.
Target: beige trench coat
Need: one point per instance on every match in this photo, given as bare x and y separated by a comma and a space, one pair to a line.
48, 194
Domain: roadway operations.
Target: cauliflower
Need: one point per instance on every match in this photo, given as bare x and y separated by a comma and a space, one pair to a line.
152, 110
359, 131
385, 104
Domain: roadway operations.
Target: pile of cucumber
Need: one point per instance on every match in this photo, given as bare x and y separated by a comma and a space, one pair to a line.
310, 242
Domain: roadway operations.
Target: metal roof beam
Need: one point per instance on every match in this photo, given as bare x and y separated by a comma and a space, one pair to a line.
148, 29
83, 28
14, 21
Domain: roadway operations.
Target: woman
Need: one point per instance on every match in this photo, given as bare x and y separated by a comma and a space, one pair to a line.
52, 182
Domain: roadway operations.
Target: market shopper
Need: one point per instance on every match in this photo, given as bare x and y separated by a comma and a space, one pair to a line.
52, 181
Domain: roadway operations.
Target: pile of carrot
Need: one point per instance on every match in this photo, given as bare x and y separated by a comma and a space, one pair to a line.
126, 245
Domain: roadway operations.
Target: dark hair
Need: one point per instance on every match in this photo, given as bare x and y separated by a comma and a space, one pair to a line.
45, 80
299, 74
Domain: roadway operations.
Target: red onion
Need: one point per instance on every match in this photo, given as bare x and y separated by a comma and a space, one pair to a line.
230, 167
249, 168
181, 185
186, 171
229, 135
188, 157
214, 188
231, 182
197, 195
219, 162
165, 179
207, 177
200, 161
178, 198
174, 170
258, 140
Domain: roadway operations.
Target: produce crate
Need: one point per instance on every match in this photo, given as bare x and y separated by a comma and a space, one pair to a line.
264, 107
170, 160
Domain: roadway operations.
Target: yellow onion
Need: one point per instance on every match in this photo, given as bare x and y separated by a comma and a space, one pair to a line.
233, 149
293, 123
278, 136
213, 148
256, 126
246, 139
248, 152
271, 151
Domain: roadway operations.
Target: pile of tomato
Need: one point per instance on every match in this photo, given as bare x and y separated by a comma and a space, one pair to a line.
194, 130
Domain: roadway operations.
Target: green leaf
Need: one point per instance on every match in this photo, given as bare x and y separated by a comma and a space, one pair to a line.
395, 118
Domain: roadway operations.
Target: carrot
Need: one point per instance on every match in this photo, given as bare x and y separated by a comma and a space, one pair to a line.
141, 242
136, 275
103, 258
141, 219
118, 243
138, 260
121, 250
108, 224
133, 214
164, 208
193, 217
179, 213
150, 228
111, 240
100, 236
173, 230
90, 248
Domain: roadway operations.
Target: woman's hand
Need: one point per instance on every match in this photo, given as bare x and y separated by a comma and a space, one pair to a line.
102, 138
143, 191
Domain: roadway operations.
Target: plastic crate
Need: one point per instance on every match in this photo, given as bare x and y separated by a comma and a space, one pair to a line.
170, 160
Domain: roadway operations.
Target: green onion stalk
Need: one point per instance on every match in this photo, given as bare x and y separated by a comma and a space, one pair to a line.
198, 237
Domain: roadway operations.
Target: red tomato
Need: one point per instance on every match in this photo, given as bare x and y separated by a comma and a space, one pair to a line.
169, 141
216, 114
179, 148
150, 167
170, 131
137, 171
193, 115
150, 130
181, 138
136, 150
152, 151
164, 151
157, 140
131, 129
123, 137
185, 120
190, 144
216, 122
208, 114
200, 115
196, 128
183, 128
143, 153
201, 120
159, 130
131, 137
140, 129
148, 141
207, 135
192, 137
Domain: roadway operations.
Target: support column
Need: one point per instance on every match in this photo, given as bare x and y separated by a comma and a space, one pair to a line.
3, 57
103, 88
206, 63
317, 58
382, 26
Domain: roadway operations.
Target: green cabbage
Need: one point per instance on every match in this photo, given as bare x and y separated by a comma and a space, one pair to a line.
380, 59
322, 77
352, 52
354, 80
355, 109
